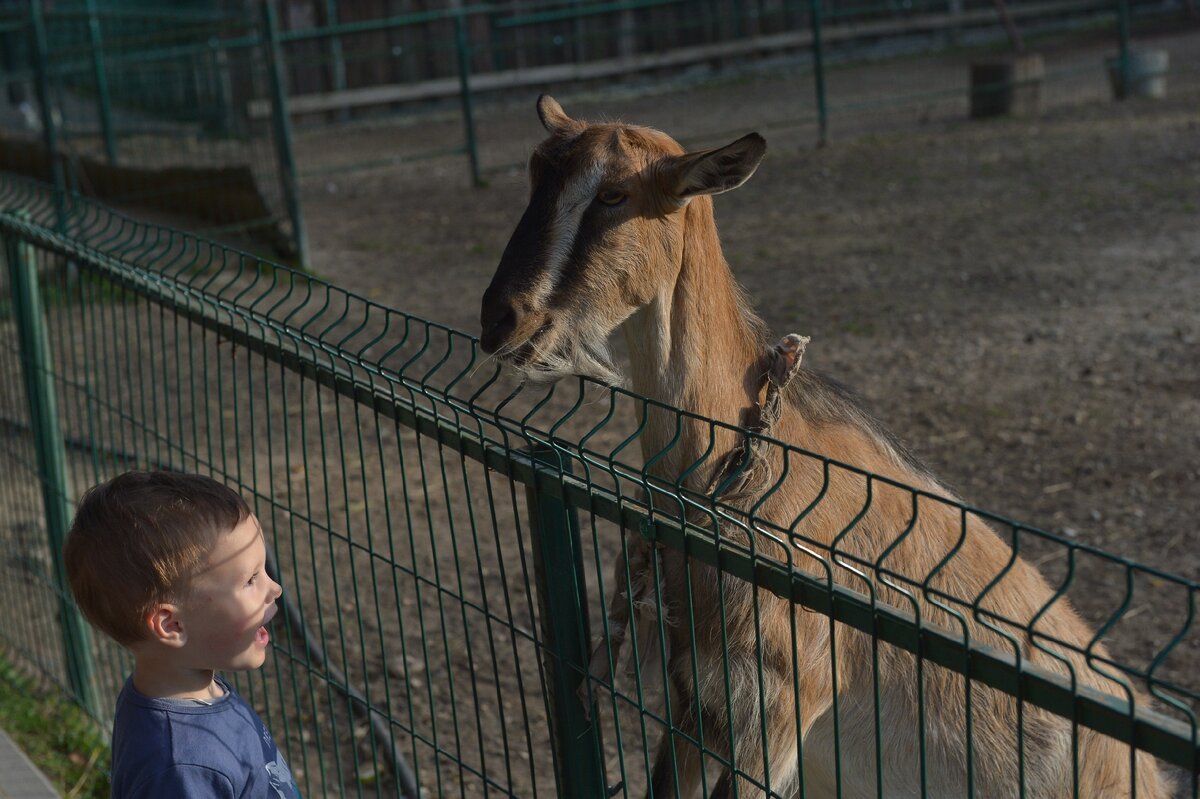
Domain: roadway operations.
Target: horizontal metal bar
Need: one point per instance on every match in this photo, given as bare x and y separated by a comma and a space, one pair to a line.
157, 15
1140, 727
580, 12
383, 24
118, 59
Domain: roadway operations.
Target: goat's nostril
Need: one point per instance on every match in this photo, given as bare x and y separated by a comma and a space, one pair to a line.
498, 324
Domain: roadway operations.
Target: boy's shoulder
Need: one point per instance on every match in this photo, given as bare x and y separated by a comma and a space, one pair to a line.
193, 748
172, 724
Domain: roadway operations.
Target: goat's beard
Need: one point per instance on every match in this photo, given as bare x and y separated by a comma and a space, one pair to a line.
564, 355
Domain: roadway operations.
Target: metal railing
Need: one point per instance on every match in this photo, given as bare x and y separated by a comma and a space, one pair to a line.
190, 112
146, 109
445, 537
459, 54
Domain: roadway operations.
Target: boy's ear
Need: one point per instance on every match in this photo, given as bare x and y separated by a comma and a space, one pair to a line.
166, 626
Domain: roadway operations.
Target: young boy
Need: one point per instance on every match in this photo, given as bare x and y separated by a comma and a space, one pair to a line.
172, 566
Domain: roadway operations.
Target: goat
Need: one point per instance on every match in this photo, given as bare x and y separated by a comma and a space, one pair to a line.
619, 232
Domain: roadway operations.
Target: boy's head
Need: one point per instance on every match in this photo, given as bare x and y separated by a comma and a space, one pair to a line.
159, 557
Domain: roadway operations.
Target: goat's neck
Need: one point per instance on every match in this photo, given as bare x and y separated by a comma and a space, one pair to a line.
693, 346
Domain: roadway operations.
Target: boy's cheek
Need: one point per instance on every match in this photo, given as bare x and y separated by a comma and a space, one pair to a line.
248, 626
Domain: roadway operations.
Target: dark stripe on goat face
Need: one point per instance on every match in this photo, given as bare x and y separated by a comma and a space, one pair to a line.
526, 253
508, 304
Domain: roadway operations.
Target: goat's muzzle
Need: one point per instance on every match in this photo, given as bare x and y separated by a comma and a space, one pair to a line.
498, 320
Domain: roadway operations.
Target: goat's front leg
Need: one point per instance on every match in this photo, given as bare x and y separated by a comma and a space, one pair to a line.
752, 781
766, 765
677, 756
632, 596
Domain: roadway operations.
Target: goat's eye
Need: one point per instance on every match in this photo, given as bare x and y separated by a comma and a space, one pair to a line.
610, 197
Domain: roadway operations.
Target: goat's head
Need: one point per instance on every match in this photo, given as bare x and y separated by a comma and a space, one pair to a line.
602, 236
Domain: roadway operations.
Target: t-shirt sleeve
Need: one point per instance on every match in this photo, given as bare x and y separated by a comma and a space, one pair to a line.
182, 781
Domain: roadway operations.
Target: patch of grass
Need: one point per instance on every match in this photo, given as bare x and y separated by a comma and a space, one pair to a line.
865, 329
370, 245
57, 291
56, 735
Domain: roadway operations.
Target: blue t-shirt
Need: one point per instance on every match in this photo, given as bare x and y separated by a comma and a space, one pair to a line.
188, 749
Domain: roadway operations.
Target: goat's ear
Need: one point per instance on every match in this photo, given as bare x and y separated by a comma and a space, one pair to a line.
714, 171
554, 118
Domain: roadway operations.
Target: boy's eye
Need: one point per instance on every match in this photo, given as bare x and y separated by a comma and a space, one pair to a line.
253, 577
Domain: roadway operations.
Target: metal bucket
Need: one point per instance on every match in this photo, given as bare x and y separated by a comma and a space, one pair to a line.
1147, 74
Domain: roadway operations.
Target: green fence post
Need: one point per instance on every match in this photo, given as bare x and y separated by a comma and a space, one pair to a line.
562, 602
283, 130
1123, 36
102, 97
337, 58
59, 503
464, 88
496, 41
41, 67
814, 19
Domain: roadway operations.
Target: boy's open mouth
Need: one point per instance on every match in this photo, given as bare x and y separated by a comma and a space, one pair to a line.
262, 637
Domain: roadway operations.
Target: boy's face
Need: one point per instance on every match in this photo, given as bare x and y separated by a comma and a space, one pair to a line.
229, 604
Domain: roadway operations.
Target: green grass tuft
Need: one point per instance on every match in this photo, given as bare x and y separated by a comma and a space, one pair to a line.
56, 735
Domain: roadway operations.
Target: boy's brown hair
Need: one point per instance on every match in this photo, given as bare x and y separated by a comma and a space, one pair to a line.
137, 540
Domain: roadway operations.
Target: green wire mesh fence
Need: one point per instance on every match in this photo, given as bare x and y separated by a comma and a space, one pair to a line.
448, 541
145, 107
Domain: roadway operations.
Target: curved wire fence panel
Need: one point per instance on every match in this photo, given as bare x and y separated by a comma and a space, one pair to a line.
146, 109
488, 585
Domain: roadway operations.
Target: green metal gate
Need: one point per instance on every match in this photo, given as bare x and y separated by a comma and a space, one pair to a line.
446, 539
